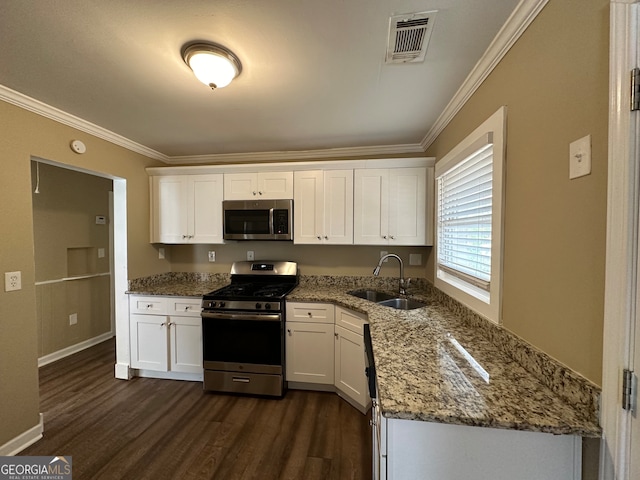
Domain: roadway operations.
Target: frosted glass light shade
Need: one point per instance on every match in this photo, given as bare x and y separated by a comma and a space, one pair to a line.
213, 65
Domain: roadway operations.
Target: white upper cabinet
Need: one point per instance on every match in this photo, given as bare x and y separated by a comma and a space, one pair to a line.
186, 208
390, 207
261, 185
323, 207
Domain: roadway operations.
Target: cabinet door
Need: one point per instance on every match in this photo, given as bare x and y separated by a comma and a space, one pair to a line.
309, 352
370, 207
350, 377
149, 348
407, 206
338, 207
205, 209
185, 339
169, 200
275, 185
240, 186
307, 210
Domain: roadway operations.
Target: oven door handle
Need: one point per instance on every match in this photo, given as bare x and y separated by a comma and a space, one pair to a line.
275, 317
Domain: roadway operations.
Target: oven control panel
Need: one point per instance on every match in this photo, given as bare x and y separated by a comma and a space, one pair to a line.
241, 305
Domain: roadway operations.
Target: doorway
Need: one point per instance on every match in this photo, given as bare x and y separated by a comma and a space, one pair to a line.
81, 257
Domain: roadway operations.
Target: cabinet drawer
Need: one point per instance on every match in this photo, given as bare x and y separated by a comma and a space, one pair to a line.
310, 312
147, 304
187, 307
351, 320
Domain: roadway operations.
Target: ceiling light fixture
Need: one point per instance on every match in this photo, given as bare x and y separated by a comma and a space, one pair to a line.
212, 64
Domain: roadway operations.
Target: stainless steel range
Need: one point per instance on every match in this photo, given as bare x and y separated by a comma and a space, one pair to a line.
243, 329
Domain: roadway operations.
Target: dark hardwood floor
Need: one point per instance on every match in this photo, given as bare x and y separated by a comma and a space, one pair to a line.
164, 429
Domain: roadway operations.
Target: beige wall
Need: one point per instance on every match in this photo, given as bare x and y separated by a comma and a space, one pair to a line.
554, 82
312, 259
24, 135
67, 240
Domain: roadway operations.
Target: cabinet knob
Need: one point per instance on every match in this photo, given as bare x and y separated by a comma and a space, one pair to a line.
384, 236
392, 237
149, 306
289, 331
309, 313
319, 237
254, 193
162, 324
326, 238
260, 193
336, 335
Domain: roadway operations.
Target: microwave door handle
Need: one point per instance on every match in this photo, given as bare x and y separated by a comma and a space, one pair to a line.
271, 221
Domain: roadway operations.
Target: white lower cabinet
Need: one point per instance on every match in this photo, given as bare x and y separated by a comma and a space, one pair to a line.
350, 377
309, 343
166, 336
324, 347
404, 449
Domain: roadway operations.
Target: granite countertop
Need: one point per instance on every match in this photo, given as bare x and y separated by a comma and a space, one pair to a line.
432, 367
178, 284
440, 363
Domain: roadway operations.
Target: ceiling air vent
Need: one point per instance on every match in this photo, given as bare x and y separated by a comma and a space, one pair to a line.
409, 37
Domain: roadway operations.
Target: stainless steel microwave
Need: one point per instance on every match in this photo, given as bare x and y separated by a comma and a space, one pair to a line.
258, 219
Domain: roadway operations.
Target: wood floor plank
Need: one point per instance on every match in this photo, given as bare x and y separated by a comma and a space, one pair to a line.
163, 429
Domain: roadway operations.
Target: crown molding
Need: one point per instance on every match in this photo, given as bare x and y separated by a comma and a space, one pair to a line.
299, 155
514, 27
36, 106
517, 23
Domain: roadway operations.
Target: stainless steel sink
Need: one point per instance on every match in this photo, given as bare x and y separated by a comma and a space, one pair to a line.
371, 295
402, 303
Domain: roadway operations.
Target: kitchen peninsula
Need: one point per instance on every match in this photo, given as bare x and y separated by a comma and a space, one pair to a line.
442, 365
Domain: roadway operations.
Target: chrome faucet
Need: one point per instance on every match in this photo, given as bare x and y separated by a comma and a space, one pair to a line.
376, 271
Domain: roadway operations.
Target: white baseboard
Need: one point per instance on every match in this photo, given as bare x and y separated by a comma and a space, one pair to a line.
78, 347
23, 440
122, 371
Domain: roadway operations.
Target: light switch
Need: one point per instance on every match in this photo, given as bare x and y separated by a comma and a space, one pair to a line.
101, 253
250, 255
580, 157
415, 259
212, 256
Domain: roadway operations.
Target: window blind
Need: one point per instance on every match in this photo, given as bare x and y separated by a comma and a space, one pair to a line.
464, 218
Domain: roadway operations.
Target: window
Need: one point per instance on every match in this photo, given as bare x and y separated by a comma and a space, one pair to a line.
469, 198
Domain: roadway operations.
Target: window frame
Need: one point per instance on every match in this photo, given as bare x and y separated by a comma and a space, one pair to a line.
487, 303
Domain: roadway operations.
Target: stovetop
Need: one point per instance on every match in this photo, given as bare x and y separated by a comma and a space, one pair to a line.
248, 290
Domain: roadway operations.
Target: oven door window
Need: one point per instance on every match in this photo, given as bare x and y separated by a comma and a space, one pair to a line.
247, 222
242, 341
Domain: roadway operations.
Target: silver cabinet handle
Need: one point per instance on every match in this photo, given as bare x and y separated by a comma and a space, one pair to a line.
240, 379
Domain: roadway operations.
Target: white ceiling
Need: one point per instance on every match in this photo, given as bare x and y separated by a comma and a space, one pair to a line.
313, 73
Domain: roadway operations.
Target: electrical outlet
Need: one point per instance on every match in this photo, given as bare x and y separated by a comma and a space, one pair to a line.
212, 256
73, 319
12, 281
250, 255
161, 253
415, 259
101, 253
